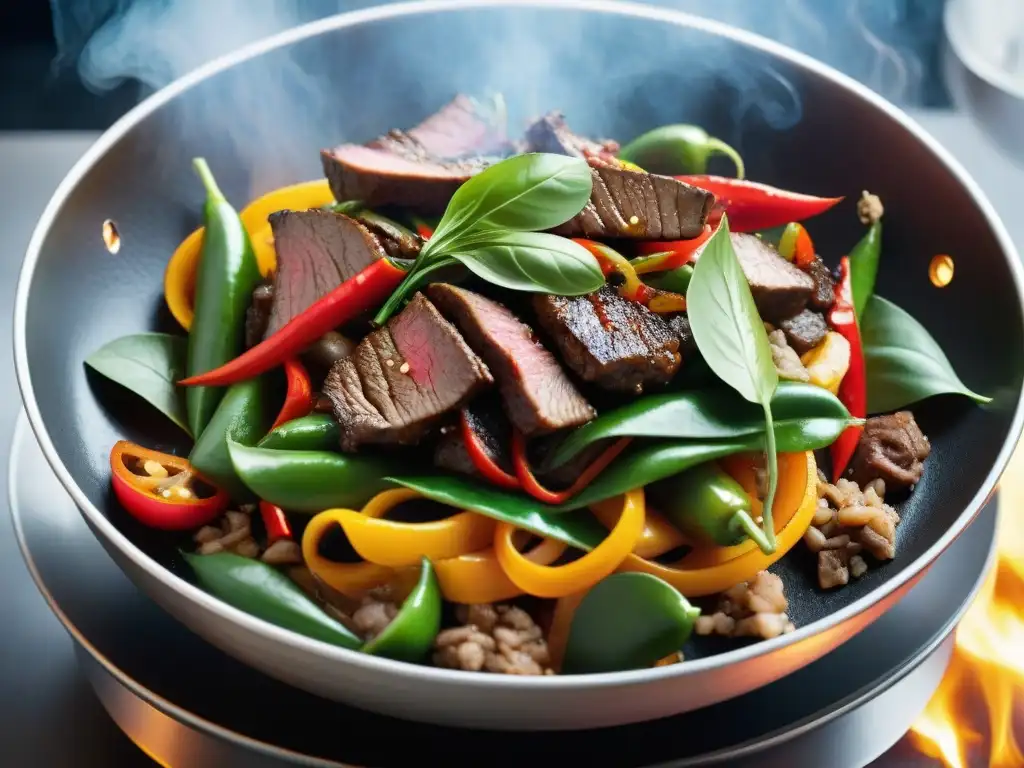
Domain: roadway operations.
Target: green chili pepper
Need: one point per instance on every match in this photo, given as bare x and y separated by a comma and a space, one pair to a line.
411, 633
708, 505
864, 266
674, 280
316, 432
227, 275
243, 416
627, 621
309, 481
266, 593
678, 149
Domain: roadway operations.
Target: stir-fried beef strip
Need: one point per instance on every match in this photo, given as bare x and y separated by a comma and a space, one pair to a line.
401, 379
493, 434
780, 290
824, 295
805, 330
316, 251
257, 317
680, 325
611, 341
539, 397
636, 205
399, 242
551, 134
419, 169
892, 448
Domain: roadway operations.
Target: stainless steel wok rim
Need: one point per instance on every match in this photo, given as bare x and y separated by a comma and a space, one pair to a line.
426, 674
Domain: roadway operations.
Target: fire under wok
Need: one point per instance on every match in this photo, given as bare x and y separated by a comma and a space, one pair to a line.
522, 365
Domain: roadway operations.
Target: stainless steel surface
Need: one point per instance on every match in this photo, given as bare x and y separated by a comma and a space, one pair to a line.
74, 432
981, 35
178, 697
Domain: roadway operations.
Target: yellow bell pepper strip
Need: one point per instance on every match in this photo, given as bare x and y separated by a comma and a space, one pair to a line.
559, 581
396, 545
561, 623
699, 582
180, 275
350, 579
828, 362
789, 496
658, 537
479, 578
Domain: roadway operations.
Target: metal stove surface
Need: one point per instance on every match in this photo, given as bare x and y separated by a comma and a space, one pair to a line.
51, 717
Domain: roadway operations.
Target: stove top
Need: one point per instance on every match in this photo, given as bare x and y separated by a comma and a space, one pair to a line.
45, 692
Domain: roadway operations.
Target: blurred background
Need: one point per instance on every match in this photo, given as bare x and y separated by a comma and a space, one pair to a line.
79, 64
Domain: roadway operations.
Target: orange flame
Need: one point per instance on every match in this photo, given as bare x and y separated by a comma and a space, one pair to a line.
986, 673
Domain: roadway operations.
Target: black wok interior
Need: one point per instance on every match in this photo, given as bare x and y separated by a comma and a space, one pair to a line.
360, 81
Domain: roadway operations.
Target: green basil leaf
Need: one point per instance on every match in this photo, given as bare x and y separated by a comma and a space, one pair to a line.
627, 621
731, 337
264, 592
309, 481
580, 529
534, 191
904, 364
703, 414
533, 261
148, 364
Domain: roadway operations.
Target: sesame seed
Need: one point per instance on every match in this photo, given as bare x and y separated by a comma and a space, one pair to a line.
389, 363
634, 220
404, 368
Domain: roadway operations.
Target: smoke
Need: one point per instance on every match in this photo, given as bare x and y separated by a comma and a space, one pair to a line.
883, 43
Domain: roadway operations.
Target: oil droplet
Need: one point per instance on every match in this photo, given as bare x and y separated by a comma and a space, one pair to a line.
940, 270
111, 237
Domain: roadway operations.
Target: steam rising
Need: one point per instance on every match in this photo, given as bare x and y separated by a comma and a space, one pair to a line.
156, 41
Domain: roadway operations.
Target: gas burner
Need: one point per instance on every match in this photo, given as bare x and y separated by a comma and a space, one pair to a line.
187, 704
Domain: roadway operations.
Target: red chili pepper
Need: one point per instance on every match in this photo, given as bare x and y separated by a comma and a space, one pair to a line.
424, 231
610, 261
532, 486
166, 497
796, 245
672, 253
484, 464
367, 290
275, 521
752, 206
853, 392
299, 400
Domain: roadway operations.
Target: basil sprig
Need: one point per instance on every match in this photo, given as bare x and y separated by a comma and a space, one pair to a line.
494, 227
731, 337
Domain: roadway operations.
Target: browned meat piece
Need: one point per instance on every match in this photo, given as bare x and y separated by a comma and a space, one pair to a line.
616, 343
824, 294
551, 134
257, 317
538, 396
402, 378
492, 431
891, 448
639, 206
316, 251
419, 169
502, 639
832, 568
804, 331
780, 290
680, 325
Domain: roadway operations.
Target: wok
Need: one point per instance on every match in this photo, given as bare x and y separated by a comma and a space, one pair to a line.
615, 69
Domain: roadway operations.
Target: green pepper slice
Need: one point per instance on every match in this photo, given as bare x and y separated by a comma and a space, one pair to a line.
411, 633
706, 504
678, 149
316, 432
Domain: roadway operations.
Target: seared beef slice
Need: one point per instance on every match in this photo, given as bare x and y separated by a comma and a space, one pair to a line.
419, 169
402, 378
493, 434
639, 206
892, 448
538, 396
614, 342
804, 331
551, 134
316, 252
780, 290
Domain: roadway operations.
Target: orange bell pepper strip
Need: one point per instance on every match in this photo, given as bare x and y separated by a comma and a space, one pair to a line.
396, 545
697, 580
180, 275
479, 578
559, 581
658, 537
